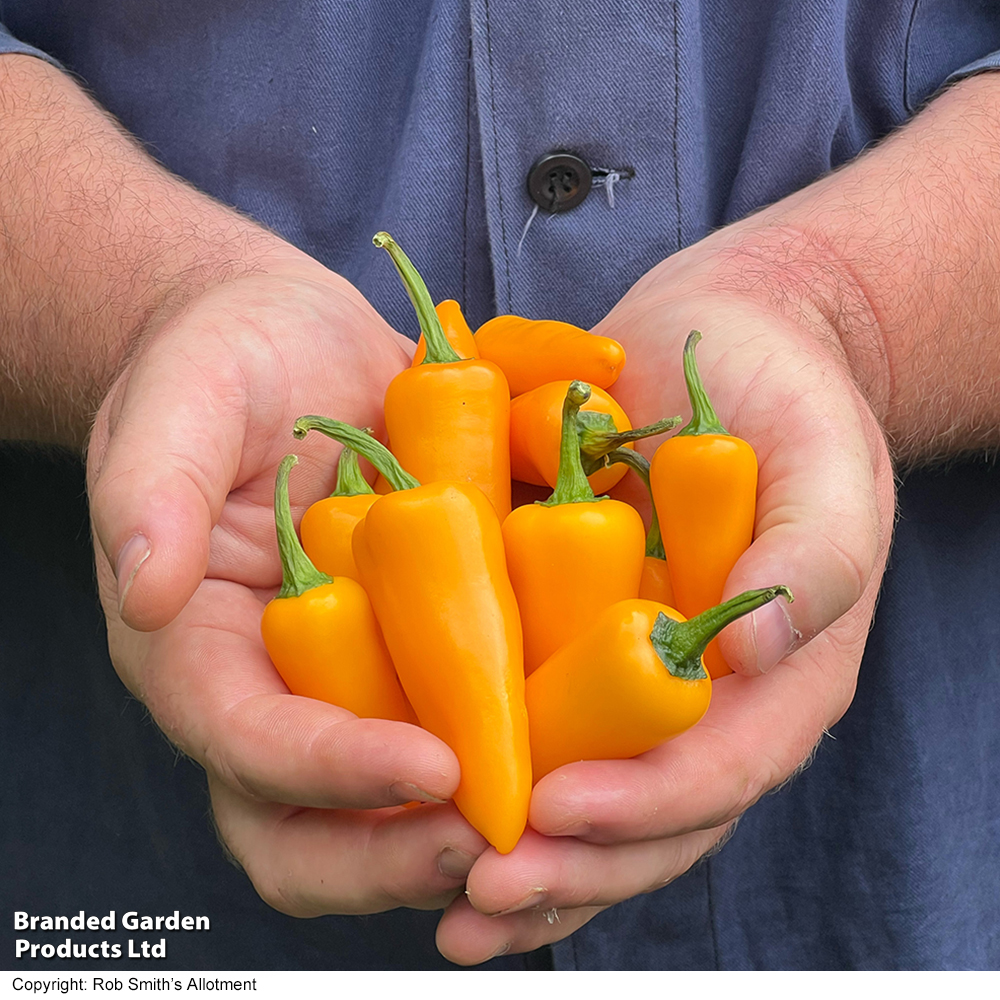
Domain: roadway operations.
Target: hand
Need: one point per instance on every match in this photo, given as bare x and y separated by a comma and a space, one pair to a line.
181, 473
778, 378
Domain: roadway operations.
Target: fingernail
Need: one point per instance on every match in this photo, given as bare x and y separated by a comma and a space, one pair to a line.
130, 557
405, 790
502, 950
773, 635
453, 863
536, 897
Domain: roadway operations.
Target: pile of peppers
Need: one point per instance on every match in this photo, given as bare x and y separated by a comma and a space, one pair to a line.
530, 638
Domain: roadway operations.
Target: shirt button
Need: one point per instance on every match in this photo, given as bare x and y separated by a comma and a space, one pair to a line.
558, 182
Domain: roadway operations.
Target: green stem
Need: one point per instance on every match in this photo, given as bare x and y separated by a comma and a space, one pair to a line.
704, 419
681, 645
368, 447
350, 482
571, 482
439, 349
298, 574
599, 436
640, 466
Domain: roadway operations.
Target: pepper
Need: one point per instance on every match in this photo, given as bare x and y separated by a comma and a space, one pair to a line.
573, 555
536, 430
532, 352
704, 483
448, 419
321, 633
631, 681
431, 558
326, 527
455, 328
655, 583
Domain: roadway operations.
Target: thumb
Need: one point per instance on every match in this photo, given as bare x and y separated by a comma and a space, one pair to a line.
164, 453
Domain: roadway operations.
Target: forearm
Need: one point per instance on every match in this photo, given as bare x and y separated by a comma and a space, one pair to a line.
896, 256
98, 245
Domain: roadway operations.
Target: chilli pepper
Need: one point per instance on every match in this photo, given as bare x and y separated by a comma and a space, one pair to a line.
655, 583
448, 419
326, 527
704, 483
321, 633
631, 681
536, 432
572, 555
532, 352
431, 558
456, 330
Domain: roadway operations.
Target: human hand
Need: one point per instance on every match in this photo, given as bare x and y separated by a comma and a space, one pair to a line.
603, 831
181, 469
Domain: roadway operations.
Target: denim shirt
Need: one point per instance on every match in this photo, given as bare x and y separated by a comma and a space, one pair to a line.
329, 121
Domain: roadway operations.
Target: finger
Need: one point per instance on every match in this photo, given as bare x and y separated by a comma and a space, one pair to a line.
210, 684
168, 453
566, 873
756, 734
313, 861
824, 506
467, 937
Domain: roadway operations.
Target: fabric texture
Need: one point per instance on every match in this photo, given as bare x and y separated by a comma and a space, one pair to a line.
330, 121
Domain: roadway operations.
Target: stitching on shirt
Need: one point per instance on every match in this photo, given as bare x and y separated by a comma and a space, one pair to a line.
609, 177
496, 151
468, 167
906, 59
676, 128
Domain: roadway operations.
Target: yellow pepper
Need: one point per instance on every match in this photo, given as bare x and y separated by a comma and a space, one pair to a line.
628, 683
432, 560
572, 555
321, 634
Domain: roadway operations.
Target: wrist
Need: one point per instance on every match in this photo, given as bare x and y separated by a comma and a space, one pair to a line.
101, 245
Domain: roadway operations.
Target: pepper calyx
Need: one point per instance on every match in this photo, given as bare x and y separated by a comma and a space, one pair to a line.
439, 349
366, 446
704, 419
572, 485
298, 574
681, 645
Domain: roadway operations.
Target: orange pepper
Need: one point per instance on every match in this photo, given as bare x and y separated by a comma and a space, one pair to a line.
532, 352
455, 328
326, 527
448, 419
704, 483
432, 559
321, 634
572, 555
634, 679
536, 430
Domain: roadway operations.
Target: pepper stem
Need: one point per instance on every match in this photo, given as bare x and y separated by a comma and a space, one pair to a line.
640, 466
368, 447
439, 350
350, 482
298, 574
681, 645
599, 436
572, 485
704, 419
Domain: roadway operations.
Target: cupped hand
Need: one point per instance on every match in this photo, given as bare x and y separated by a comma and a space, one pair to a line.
604, 831
181, 467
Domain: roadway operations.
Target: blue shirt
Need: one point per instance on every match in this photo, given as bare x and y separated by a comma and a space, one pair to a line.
329, 121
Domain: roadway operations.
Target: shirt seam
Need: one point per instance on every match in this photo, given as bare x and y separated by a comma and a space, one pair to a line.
496, 151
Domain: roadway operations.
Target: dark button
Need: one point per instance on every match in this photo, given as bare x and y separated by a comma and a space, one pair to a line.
558, 182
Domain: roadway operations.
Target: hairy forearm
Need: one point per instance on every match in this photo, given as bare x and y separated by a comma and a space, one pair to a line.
97, 245
897, 257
